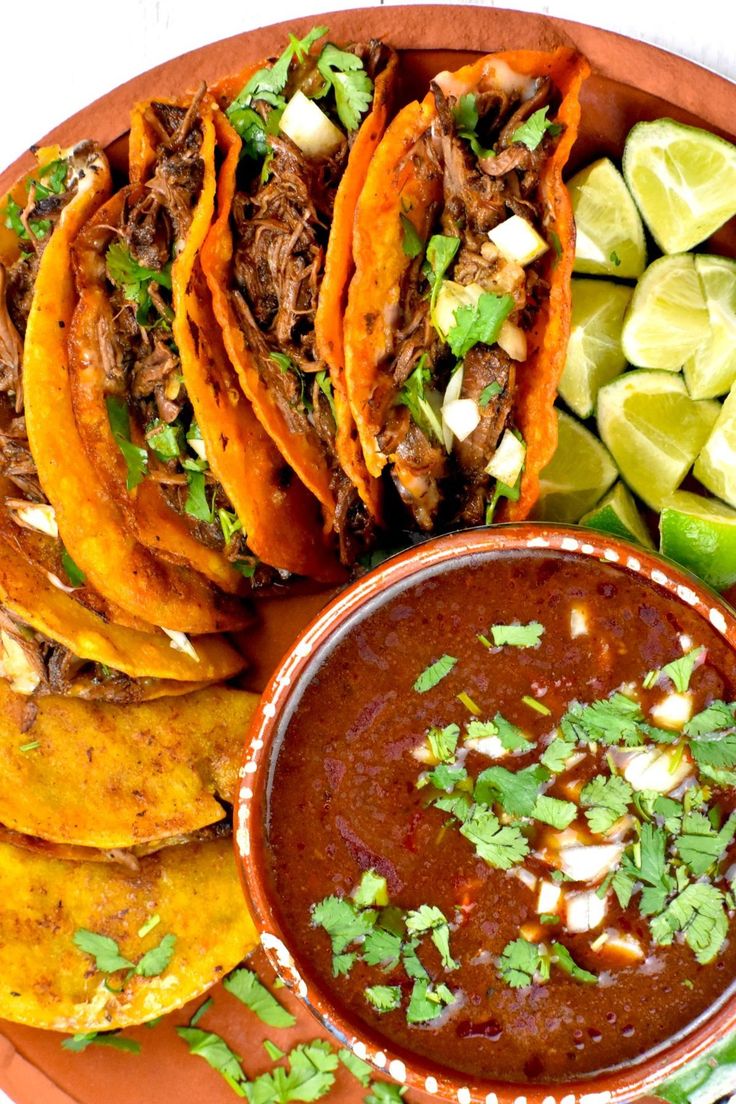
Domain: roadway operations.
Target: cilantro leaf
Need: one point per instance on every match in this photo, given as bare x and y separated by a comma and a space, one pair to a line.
371, 891
445, 777
384, 998
515, 791
267, 84
385, 1092
217, 1054
413, 396
510, 736
648, 864
479, 324
717, 716
344, 924
501, 847
679, 671
136, 459
623, 886
359, 1069
606, 800
458, 805
517, 636
103, 949
325, 385
76, 577
352, 86
79, 1042
465, 114
134, 279
196, 504
518, 963
699, 845
165, 439
427, 1001
714, 749
489, 393
441, 250
155, 961
615, 720
567, 963
274, 1052
429, 918
442, 742
411, 243
309, 1077
553, 811
250, 991
697, 912
382, 948
433, 674
203, 1008
531, 133
556, 754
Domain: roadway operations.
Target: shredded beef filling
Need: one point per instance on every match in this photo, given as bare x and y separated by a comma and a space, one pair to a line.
441, 489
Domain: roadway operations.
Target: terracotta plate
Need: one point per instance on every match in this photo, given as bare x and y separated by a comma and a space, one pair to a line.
631, 81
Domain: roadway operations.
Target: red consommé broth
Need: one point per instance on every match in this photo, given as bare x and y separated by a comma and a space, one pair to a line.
343, 799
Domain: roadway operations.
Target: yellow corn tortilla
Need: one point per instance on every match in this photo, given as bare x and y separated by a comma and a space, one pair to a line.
46, 981
116, 776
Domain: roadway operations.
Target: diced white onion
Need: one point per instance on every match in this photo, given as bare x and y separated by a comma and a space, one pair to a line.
40, 516
525, 876
622, 946
461, 416
490, 746
508, 460
309, 128
657, 769
512, 340
450, 298
517, 240
180, 642
578, 622
549, 897
673, 711
455, 386
584, 911
590, 863
56, 581
16, 667
196, 444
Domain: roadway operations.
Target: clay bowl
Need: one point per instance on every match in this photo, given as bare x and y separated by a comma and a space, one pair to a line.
628, 1082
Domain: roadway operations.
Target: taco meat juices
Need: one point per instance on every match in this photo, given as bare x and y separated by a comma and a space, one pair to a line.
499, 827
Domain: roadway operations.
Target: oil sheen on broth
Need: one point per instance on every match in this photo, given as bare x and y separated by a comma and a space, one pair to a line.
517, 864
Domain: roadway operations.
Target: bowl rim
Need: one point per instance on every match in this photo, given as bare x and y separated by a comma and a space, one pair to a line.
609, 1087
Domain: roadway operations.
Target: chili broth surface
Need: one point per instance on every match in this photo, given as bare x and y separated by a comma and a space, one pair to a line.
344, 799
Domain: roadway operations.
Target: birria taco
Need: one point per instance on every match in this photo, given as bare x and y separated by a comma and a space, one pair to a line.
278, 257
458, 312
41, 452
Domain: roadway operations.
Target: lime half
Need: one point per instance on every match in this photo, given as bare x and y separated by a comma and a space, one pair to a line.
683, 180
617, 513
580, 471
716, 465
700, 534
654, 430
711, 370
609, 234
594, 353
667, 319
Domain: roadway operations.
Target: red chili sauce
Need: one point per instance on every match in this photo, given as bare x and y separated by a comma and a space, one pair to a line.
344, 800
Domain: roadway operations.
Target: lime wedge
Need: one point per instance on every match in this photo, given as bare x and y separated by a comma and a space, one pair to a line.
617, 513
700, 534
683, 180
594, 353
580, 471
667, 319
609, 233
654, 430
711, 370
716, 465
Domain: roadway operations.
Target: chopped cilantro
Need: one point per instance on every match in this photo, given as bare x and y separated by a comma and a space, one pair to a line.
352, 86
536, 705
165, 440
614, 258
359, 1069
713, 749
217, 1054
151, 923
517, 636
250, 991
427, 1001
519, 962
623, 886
458, 805
103, 949
489, 392
447, 776
76, 577
549, 918
411, 963
371, 891
471, 706
136, 459
196, 504
344, 924
679, 671
429, 918
567, 963
556, 754
384, 998
515, 791
531, 133
382, 948
647, 864
325, 385
309, 1077
413, 395
441, 250
442, 742
155, 961
465, 114
384, 1092
32, 745
553, 811
700, 845
716, 717
499, 846
79, 1042
698, 912
134, 279
275, 1053
200, 1012
479, 324
615, 720
433, 674
510, 736
606, 799
230, 524
411, 243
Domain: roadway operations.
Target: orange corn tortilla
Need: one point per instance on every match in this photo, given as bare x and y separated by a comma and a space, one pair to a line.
90, 522
393, 187
307, 460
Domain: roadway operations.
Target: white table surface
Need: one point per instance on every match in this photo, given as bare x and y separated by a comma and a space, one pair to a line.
71, 53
